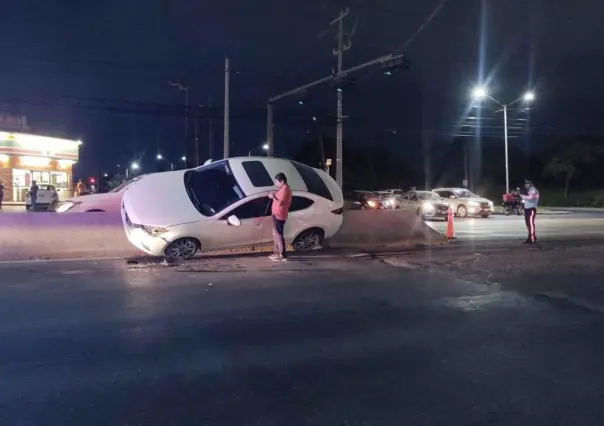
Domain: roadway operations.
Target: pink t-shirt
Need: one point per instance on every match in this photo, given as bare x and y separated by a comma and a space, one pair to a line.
281, 202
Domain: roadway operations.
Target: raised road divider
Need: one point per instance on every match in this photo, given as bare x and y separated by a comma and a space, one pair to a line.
28, 235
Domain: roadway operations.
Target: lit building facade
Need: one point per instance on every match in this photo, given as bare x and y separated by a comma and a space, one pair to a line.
26, 157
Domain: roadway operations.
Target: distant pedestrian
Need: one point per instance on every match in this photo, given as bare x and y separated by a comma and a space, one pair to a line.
282, 200
33, 194
1, 194
531, 201
81, 188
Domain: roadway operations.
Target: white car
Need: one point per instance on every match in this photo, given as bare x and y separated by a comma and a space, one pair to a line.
106, 202
426, 204
47, 199
225, 205
466, 203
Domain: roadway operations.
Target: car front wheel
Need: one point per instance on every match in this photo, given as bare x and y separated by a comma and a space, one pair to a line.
181, 249
462, 211
308, 240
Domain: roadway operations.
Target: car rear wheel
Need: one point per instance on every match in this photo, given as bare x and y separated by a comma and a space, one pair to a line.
462, 211
181, 249
308, 240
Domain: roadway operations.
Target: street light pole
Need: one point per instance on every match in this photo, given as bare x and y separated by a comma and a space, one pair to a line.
184, 88
481, 93
505, 133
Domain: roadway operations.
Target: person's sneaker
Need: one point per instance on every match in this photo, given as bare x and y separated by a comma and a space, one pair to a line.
274, 257
527, 241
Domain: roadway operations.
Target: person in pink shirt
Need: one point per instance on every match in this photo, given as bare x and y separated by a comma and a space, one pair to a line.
282, 200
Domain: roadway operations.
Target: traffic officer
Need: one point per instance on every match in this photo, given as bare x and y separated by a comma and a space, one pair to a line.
531, 201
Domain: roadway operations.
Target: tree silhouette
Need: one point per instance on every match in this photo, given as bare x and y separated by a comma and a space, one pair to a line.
569, 160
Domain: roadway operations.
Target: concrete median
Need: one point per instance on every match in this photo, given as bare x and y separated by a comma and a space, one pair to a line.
27, 236
378, 228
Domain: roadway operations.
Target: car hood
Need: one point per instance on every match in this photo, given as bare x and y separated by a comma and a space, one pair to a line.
478, 200
88, 198
160, 200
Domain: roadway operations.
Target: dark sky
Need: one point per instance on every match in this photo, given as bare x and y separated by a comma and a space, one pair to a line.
76, 67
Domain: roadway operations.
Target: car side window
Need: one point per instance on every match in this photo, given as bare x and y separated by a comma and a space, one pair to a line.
414, 197
300, 203
258, 207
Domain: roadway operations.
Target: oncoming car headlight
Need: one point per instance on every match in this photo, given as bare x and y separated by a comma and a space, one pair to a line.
390, 201
371, 203
65, 206
428, 206
154, 230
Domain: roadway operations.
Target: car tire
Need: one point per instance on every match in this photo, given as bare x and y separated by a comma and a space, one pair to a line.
485, 215
309, 240
397, 208
182, 249
462, 211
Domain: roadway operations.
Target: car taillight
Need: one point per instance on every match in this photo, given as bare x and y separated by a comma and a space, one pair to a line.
338, 211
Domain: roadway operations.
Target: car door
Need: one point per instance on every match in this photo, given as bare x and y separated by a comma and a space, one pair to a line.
405, 202
256, 225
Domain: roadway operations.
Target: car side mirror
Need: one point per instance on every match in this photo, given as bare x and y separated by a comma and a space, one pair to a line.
233, 220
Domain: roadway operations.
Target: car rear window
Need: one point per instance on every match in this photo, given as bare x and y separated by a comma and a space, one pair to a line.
313, 181
257, 173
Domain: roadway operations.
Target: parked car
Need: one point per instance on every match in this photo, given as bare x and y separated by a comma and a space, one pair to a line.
225, 204
105, 202
48, 198
466, 203
426, 204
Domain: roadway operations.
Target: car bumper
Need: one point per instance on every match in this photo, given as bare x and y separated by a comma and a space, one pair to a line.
479, 211
150, 244
435, 213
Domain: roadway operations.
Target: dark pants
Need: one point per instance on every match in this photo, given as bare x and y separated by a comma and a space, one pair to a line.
529, 218
1, 198
278, 227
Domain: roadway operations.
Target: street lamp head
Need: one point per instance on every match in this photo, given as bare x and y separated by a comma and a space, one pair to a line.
265, 147
159, 157
529, 97
479, 93
183, 158
134, 166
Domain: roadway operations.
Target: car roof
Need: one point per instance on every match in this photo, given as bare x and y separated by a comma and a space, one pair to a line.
279, 165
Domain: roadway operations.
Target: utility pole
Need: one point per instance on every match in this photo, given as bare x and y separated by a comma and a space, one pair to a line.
210, 131
196, 129
339, 52
388, 62
184, 88
226, 107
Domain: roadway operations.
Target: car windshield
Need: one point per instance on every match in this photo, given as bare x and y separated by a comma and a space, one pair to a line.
124, 185
212, 188
431, 196
466, 194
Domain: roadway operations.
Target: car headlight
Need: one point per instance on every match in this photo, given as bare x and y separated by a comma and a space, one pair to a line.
154, 230
473, 203
65, 206
491, 205
371, 203
428, 206
390, 201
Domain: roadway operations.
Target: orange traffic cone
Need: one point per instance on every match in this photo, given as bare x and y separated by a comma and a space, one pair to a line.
450, 228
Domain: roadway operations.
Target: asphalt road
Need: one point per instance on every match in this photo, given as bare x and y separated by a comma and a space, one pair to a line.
399, 340
576, 225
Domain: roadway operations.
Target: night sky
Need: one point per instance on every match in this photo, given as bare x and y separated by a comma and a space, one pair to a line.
99, 70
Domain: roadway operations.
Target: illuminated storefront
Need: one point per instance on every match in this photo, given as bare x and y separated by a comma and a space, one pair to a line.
26, 157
